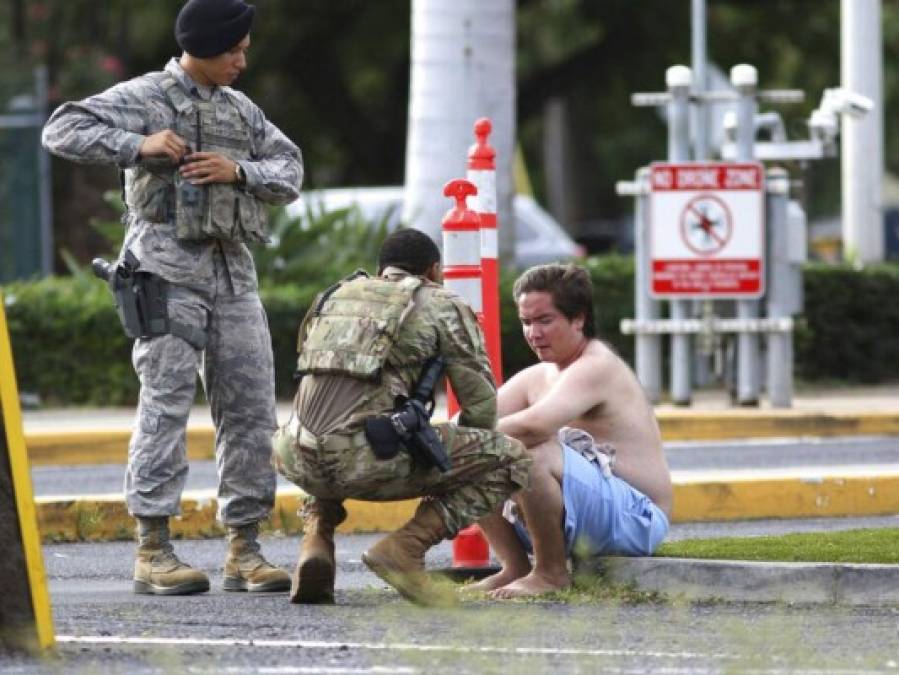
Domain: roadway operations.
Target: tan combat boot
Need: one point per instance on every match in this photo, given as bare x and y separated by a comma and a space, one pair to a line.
157, 570
399, 558
313, 579
246, 569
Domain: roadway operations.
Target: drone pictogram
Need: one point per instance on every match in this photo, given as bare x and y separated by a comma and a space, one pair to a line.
706, 225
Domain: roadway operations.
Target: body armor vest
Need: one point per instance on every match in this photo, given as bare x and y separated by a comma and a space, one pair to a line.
355, 326
156, 192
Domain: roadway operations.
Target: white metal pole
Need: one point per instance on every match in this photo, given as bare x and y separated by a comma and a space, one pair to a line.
648, 353
861, 55
780, 344
700, 116
698, 55
745, 80
678, 79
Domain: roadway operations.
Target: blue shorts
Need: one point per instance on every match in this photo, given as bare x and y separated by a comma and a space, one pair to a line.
603, 516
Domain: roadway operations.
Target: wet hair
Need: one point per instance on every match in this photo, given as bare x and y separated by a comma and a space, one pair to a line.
568, 285
410, 250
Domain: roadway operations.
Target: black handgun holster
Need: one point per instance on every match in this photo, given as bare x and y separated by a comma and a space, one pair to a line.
141, 300
384, 441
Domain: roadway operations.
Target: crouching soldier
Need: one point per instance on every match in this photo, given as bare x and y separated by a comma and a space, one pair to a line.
370, 350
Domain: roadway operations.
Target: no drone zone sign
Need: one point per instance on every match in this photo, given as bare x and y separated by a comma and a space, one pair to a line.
707, 230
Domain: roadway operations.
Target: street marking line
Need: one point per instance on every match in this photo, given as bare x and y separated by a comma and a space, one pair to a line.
302, 670
374, 646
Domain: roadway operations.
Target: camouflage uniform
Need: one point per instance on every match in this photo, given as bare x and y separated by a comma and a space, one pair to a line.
324, 450
212, 279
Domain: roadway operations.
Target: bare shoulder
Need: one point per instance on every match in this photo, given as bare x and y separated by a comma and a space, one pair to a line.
598, 360
528, 377
527, 385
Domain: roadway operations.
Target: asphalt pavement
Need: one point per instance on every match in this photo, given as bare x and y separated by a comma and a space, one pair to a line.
833, 460
102, 627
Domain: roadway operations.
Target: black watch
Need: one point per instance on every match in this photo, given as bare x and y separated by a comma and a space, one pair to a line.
240, 174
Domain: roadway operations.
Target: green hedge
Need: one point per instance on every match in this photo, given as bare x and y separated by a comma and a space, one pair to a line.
850, 324
69, 347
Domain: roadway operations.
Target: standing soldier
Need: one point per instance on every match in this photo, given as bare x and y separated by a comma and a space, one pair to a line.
363, 348
199, 162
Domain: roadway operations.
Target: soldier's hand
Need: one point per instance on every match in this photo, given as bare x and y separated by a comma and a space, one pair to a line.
164, 144
208, 167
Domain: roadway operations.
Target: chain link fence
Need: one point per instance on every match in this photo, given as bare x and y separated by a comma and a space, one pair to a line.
26, 238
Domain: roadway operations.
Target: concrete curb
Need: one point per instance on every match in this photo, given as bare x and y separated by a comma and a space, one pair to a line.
104, 517
746, 581
111, 447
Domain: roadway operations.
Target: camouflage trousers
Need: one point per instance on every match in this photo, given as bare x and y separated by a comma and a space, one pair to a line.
238, 375
487, 467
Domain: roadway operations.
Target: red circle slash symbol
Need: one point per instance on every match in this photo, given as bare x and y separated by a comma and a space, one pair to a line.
706, 224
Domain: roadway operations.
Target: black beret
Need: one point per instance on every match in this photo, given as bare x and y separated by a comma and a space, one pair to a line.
207, 28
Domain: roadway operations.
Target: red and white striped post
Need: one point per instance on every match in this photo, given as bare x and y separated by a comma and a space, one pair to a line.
462, 255
462, 274
482, 172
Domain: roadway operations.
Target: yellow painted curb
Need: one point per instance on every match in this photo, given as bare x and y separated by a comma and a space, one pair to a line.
691, 425
103, 447
111, 447
104, 517
786, 498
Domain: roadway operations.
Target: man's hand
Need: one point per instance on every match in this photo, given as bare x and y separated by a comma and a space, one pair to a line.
208, 167
163, 144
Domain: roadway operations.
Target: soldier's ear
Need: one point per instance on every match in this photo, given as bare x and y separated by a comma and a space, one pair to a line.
435, 273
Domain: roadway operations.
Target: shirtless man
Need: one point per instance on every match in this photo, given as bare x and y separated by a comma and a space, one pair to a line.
571, 506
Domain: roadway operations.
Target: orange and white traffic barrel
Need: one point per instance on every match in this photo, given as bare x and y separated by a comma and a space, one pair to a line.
462, 245
462, 255
462, 273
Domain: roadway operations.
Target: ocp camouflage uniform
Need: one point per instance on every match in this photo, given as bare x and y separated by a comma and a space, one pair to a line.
324, 450
213, 287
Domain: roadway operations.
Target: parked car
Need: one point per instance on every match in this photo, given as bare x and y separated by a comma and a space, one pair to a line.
538, 237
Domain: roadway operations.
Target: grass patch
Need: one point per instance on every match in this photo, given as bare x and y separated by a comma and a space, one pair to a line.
586, 588
847, 546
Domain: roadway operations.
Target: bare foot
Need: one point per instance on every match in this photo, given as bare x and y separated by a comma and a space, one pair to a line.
502, 578
531, 585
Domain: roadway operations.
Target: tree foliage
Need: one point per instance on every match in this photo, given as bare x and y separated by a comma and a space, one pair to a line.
335, 77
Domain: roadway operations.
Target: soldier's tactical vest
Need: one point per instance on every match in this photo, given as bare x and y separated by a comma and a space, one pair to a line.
216, 210
353, 330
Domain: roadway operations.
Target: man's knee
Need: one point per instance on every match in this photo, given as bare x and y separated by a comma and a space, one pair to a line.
547, 458
518, 459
